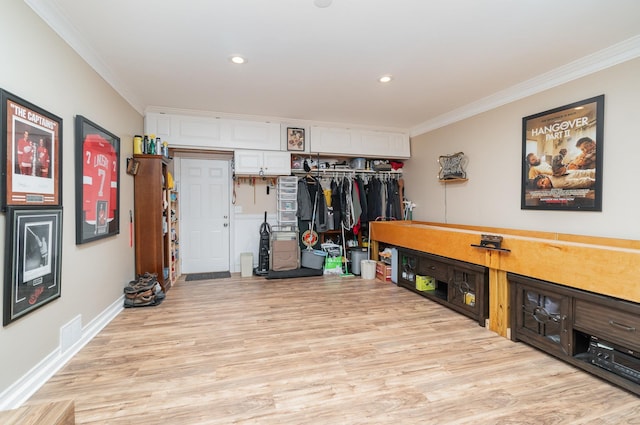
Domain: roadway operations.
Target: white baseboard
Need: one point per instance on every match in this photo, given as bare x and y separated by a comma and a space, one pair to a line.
20, 391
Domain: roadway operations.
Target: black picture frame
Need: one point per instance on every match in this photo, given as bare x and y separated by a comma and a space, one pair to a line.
295, 139
562, 152
97, 182
32, 152
33, 258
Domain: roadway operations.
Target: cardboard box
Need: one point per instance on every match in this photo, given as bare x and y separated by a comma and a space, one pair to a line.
425, 283
383, 271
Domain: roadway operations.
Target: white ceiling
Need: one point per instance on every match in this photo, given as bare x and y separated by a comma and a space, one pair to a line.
450, 58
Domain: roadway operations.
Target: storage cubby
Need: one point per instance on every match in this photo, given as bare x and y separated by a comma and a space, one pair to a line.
461, 286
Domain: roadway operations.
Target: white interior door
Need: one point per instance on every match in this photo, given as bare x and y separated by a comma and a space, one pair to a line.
204, 215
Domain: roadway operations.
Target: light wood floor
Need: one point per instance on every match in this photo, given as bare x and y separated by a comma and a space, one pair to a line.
320, 351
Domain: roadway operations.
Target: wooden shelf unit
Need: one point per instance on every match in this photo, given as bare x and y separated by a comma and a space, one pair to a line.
174, 234
152, 218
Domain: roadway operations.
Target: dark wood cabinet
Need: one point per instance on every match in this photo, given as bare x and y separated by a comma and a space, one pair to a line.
461, 286
542, 315
152, 218
574, 325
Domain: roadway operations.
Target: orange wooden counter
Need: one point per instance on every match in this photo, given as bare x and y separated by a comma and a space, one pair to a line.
602, 265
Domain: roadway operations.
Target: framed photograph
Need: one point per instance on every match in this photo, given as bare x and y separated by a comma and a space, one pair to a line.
97, 182
32, 148
295, 139
562, 157
33, 249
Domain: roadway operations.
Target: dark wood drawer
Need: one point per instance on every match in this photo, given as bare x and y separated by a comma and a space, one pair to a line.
608, 323
435, 269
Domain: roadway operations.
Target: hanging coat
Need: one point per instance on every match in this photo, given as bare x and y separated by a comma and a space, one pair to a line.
305, 205
336, 204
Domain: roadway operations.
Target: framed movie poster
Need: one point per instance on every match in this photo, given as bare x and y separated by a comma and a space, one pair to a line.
562, 157
33, 250
97, 182
295, 139
32, 149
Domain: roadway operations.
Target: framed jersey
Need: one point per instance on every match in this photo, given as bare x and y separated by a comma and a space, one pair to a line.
97, 182
32, 148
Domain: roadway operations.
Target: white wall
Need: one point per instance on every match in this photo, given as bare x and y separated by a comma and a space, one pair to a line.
39, 67
492, 142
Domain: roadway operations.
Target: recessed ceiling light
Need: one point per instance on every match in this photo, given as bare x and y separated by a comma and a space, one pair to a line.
322, 3
385, 78
237, 59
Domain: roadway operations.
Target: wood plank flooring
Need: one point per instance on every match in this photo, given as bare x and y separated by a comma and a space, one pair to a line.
320, 351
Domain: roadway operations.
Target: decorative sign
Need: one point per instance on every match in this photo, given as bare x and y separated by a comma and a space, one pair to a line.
452, 166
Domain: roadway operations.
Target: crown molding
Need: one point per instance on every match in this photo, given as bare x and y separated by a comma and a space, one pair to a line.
51, 14
606, 58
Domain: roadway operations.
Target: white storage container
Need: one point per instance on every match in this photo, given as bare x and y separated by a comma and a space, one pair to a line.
287, 205
287, 217
246, 264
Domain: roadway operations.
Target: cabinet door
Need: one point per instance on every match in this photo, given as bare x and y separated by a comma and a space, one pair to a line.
384, 144
407, 269
463, 291
262, 163
542, 318
158, 124
335, 141
399, 145
276, 163
251, 135
248, 162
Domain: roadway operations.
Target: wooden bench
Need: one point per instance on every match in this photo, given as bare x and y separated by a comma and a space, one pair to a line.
53, 413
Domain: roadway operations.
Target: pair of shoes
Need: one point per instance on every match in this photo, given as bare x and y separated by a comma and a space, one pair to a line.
140, 299
140, 295
145, 277
143, 283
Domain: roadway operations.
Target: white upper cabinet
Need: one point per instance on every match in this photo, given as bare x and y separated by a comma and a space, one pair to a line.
252, 134
230, 134
262, 163
335, 141
158, 124
385, 144
354, 142
211, 132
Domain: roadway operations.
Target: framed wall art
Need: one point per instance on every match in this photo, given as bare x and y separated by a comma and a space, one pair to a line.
562, 157
32, 149
295, 139
97, 182
33, 250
